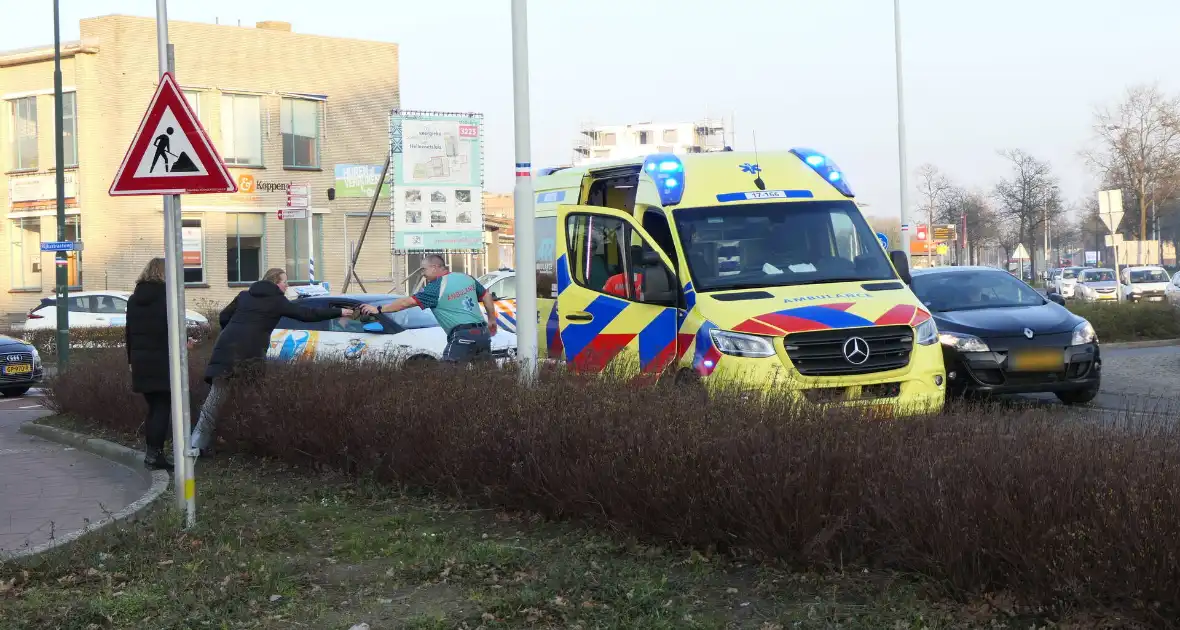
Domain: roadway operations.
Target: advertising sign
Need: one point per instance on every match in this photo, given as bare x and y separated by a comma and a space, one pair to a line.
437, 193
359, 180
193, 244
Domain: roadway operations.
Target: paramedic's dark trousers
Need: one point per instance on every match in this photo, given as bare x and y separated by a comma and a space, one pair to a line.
468, 342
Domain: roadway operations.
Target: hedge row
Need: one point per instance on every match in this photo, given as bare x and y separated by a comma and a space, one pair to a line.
1140, 321
1060, 514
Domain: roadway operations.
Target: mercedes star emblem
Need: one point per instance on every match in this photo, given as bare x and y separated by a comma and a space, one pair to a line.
1028, 332
856, 350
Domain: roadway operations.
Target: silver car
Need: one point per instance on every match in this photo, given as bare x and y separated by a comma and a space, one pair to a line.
1097, 285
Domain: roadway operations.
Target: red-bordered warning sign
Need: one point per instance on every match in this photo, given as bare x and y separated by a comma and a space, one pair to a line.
171, 153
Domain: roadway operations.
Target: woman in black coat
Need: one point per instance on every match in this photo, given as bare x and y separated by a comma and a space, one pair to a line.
147, 352
246, 326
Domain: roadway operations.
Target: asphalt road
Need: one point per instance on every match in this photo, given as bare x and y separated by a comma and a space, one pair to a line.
1141, 383
48, 490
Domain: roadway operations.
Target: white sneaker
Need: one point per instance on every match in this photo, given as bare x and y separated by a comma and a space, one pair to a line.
199, 440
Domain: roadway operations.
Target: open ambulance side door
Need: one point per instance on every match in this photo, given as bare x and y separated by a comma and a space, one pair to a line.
617, 297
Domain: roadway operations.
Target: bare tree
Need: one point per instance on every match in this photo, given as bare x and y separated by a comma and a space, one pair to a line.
969, 212
934, 187
1008, 238
1138, 148
1028, 198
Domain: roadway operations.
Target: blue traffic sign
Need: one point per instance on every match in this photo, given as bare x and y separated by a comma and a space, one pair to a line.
61, 246
884, 239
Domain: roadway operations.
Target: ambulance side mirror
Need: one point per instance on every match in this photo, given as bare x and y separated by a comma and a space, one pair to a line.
901, 263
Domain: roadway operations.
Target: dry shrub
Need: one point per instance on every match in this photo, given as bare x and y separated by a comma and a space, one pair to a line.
1062, 513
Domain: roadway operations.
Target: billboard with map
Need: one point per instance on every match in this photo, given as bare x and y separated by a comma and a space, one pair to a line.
437, 196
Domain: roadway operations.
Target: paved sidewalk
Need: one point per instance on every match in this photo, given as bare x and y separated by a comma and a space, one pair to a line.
48, 490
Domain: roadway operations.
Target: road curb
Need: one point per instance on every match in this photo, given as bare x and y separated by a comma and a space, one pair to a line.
121, 455
1131, 345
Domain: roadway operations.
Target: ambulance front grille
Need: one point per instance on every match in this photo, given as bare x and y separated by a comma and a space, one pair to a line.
821, 352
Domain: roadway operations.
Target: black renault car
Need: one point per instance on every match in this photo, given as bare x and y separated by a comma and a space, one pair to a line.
999, 336
20, 367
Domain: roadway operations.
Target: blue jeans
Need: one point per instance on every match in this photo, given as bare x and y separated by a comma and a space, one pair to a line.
468, 342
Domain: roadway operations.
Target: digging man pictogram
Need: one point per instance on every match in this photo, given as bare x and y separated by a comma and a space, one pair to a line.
163, 143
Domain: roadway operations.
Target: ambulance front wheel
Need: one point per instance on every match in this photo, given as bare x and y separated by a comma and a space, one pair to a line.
691, 382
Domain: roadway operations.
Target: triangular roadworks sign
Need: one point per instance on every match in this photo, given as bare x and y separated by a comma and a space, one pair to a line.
171, 153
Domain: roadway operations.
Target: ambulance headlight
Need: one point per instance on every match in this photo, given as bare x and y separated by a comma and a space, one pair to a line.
742, 345
927, 333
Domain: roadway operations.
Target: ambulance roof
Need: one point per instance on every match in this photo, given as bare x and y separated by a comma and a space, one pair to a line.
720, 178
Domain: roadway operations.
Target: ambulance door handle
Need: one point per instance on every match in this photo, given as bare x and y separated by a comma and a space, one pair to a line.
580, 316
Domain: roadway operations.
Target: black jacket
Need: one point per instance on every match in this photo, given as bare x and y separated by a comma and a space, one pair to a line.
248, 321
147, 338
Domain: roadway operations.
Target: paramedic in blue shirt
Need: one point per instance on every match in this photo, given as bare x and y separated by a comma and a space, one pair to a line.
454, 299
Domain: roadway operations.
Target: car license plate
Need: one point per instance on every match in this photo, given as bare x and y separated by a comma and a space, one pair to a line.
1041, 360
1155, 298
18, 368
879, 412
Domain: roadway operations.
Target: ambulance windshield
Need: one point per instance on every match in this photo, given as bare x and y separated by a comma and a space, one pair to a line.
780, 244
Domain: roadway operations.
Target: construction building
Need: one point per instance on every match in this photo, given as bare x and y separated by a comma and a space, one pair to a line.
601, 143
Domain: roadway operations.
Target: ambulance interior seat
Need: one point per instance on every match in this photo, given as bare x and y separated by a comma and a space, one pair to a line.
657, 226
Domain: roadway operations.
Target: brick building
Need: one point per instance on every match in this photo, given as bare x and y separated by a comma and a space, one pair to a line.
280, 106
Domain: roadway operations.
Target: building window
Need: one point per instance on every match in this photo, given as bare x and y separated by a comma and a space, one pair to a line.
194, 100
608, 139
670, 136
296, 248
241, 129
300, 123
74, 259
192, 237
26, 253
69, 126
644, 137
24, 133
244, 246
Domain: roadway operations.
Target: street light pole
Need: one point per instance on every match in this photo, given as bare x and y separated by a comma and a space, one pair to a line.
62, 261
903, 175
522, 200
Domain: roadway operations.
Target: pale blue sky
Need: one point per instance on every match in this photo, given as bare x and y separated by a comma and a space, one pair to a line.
980, 76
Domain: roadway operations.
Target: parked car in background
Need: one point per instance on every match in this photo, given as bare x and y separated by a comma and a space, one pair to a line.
89, 309
1147, 283
502, 284
20, 367
409, 335
999, 336
1172, 291
1065, 281
1097, 285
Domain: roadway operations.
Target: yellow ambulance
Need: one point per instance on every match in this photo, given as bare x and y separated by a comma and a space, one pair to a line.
731, 267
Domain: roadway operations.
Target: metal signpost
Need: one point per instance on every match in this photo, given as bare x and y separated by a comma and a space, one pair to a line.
298, 207
1110, 210
172, 155
526, 251
62, 261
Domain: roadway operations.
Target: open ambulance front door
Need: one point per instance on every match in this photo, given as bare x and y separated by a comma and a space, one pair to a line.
617, 297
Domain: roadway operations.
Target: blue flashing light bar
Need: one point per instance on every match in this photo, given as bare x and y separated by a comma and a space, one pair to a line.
667, 171
826, 168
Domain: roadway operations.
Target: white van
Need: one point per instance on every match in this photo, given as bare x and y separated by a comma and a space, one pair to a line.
1147, 283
